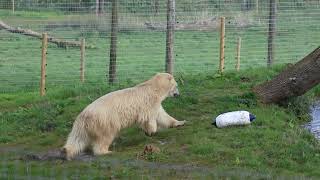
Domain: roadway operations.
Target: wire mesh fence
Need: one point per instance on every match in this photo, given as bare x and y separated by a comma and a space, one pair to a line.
141, 37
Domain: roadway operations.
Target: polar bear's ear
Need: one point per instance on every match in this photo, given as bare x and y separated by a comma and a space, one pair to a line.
157, 74
170, 78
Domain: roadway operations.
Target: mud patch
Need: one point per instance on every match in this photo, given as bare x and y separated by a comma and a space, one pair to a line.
157, 169
245, 79
54, 155
204, 24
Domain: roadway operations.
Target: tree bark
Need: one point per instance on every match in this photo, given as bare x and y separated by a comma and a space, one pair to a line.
171, 20
113, 43
27, 32
293, 81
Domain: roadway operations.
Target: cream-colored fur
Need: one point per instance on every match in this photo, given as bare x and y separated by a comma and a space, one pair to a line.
98, 124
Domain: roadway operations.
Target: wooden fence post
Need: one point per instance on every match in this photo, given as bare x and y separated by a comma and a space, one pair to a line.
43, 64
13, 4
113, 42
271, 31
257, 11
222, 45
97, 7
171, 14
82, 59
238, 54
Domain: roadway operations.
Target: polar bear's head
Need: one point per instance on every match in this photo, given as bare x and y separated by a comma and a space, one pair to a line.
167, 83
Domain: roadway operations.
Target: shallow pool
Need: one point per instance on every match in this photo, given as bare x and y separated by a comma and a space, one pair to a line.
314, 125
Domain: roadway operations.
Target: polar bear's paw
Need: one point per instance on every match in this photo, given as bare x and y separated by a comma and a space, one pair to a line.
179, 123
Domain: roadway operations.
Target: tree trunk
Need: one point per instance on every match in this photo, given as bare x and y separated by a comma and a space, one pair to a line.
27, 32
170, 36
294, 81
113, 44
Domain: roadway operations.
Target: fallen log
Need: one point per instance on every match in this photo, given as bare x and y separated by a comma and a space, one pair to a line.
293, 81
27, 32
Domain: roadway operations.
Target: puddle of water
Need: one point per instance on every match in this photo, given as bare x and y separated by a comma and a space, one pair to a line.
314, 125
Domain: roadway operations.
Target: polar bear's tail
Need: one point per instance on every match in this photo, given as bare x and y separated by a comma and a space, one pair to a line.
77, 141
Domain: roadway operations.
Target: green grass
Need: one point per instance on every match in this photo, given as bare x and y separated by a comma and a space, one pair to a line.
275, 145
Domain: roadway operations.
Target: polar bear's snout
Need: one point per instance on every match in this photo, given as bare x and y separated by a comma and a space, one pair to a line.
176, 92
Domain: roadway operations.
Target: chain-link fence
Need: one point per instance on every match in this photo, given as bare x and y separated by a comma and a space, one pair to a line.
141, 37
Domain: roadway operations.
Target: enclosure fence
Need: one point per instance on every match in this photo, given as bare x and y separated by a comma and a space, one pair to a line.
96, 42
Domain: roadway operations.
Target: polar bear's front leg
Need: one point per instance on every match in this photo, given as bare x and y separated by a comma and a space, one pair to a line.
100, 145
150, 127
164, 120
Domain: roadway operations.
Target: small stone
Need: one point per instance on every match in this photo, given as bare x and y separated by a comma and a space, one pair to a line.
149, 148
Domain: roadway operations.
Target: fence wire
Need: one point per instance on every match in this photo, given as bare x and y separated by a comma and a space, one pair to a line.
141, 42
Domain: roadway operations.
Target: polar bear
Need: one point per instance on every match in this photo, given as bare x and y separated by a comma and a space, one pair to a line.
99, 123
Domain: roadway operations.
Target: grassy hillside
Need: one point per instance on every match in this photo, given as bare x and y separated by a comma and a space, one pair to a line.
275, 145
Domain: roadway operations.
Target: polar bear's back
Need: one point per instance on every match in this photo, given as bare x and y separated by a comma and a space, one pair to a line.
118, 109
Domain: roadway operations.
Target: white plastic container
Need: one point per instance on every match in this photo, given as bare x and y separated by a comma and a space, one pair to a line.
234, 118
